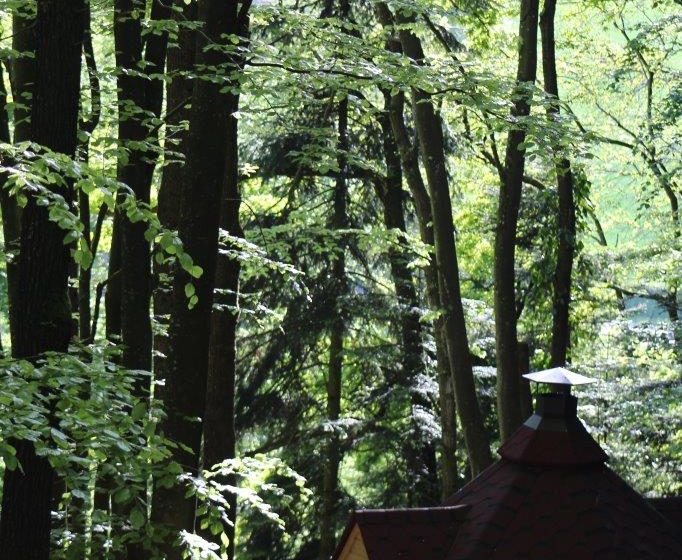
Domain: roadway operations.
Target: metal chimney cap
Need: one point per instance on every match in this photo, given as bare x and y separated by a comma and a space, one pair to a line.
559, 376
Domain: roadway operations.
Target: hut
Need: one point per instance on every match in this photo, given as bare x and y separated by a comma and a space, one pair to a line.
550, 496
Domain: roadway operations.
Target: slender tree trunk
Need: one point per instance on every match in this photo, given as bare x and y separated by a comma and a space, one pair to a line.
432, 149
6, 206
220, 441
420, 197
508, 382
524, 368
134, 277
419, 451
10, 210
189, 332
422, 204
336, 343
178, 95
88, 127
339, 289
138, 97
430, 139
43, 317
22, 79
448, 415
136, 94
112, 298
561, 300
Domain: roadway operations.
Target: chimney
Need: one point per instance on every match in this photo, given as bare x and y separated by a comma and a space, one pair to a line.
553, 435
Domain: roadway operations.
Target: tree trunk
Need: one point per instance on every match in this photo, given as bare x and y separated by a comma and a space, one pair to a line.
432, 149
134, 277
88, 127
178, 94
339, 289
419, 451
422, 203
43, 317
22, 79
220, 440
9, 207
524, 368
421, 200
189, 332
508, 383
137, 94
112, 298
566, 217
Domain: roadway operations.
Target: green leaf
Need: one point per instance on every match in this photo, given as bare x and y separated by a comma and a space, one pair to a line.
137, 518
139, 411
190, 290
123, 495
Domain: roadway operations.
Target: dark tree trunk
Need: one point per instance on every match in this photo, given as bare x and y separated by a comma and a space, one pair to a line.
508, 383
189, 332
432, 149
422, 203
88, 127
84, 274
419, 451
430, 139
112, 298
22, 79
450, 479
561, 300
134, 263
178, 94
219, 430
43, 317
339, 289
524, 368
134, 94
9, 207
220, 440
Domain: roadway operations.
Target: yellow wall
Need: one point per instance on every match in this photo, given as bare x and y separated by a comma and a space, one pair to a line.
354, 548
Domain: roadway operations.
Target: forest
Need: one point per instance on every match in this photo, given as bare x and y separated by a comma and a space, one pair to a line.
264, 262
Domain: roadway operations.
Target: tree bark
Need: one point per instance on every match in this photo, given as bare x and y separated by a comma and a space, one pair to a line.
422, 203
220, 441
561, 300
339, 289
189, 332
22, 80
9, 207
432, 149
137, 97
420, 198
43, 317
419, 451
524, 368
181, 59
112, 298
508, 383
88, 127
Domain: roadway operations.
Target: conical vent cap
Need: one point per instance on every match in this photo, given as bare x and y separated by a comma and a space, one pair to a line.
559, 376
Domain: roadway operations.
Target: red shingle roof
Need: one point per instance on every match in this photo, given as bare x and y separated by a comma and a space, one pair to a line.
550, 497
404, 534
525, 512
670, 508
